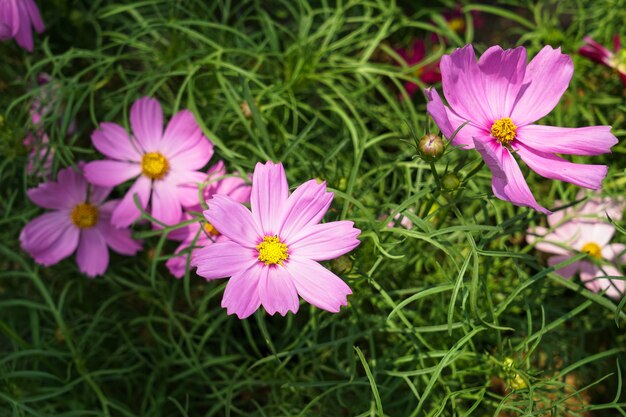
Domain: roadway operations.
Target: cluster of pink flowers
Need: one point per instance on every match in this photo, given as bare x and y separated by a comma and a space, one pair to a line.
271, 253
586, 228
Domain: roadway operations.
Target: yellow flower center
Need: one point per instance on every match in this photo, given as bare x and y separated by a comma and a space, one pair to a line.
272, 251
84, 215
154, 165
457, 24
504, 130
593, 249
210, 229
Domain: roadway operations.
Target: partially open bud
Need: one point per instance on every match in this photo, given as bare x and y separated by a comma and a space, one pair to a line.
431, 146
450, 181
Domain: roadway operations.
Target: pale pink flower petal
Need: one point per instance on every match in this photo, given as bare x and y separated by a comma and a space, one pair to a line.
177, 264
74, 184
92, 255
241, 296
98, 194
546, 242
592, 140
503, 73
615, 252
146, 120
317, 285
595, 280
600, 233
110, 173
556, 168
126, 211
119, 240
187, 183
305, 206
449, 122
114, 141
464, 87
222, 259
547, 77
266, 206
321, 242
234, 221
51, 195
165, 203
567, 272
508, 182
50, 237
277, 291
184, 142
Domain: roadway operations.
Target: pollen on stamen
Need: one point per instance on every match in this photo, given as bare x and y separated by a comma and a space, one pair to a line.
504, 130
154, 165
272, 251
211, 230
592, 249
84, 215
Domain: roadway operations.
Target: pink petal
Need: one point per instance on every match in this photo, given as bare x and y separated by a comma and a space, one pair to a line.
34, 15
322, 242
52, 195
241, 296
556, 168
269, 194
317, 285
306, 206
599, 233
233, 220
113, 141
222, 259
615, 252
595, 51
50, 237
146, 120
592, 140
614, 287
277, 291
187, 183
92, 255
547, 78
24, 35
120, 240
547, 244
508, 183
448, 122
177, 265
9, 19
165, 203
464, 87
74, 184
98, 194
503, 73
566, 272
184, 144
109, 173
126, 211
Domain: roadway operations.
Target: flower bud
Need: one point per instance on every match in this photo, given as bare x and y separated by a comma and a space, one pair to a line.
431, 146
450, 181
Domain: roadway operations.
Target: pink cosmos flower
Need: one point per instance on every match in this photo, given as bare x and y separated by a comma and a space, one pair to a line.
201, 234
17, 17
585, 228
500, 97
403, 220
428, 74
79, 221
596, 52
165, 164
273, 252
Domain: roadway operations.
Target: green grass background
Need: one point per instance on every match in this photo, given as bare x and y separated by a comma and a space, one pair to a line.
436, 310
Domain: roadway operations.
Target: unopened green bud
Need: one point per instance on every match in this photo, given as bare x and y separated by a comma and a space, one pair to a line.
450, 181
341, 265
431, 146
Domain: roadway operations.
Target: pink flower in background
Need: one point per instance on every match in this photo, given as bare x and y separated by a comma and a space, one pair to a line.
428, 74
273, 252
401, 220
500, 97
17, 20
596, 52
585, 228
40, 156
201, 234
165, 164
79, 221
